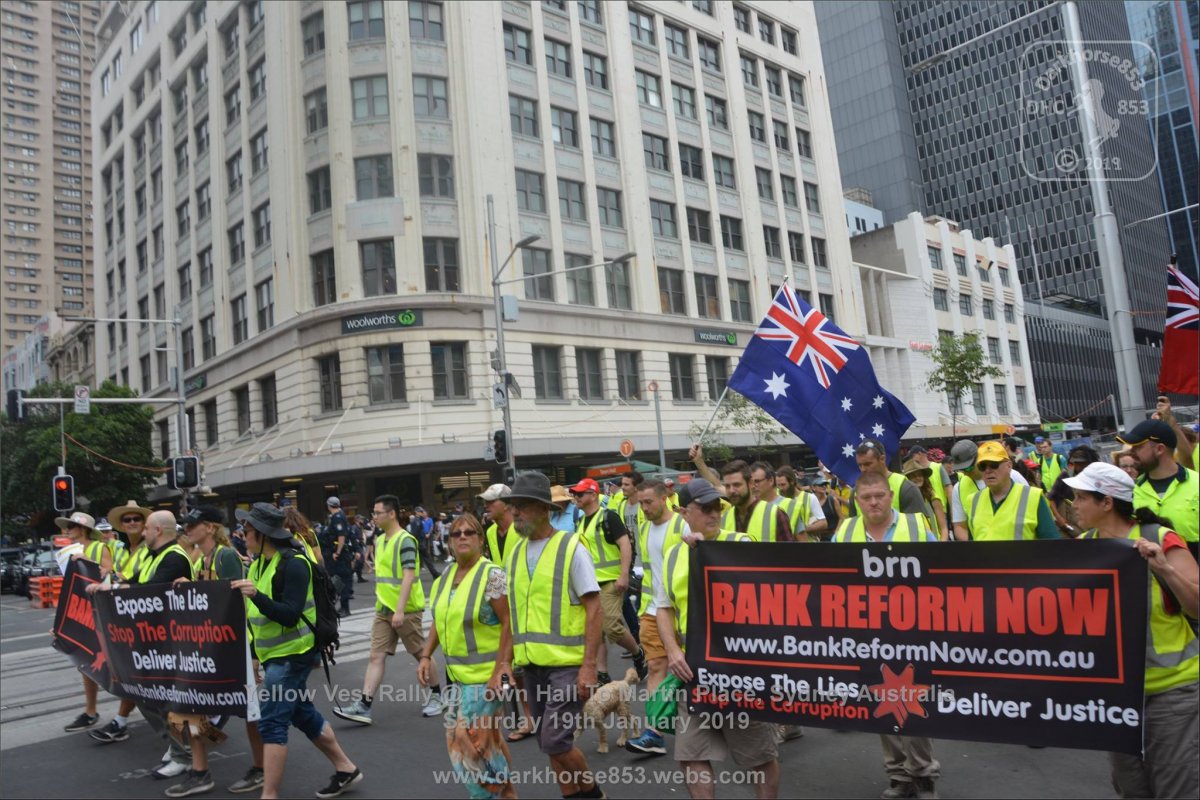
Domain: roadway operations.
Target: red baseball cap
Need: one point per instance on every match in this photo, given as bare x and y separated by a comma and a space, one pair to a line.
585, 485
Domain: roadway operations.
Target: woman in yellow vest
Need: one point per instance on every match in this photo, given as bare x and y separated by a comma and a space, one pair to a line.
302, 529
922, 478
81, 529
470, 620
1171, 721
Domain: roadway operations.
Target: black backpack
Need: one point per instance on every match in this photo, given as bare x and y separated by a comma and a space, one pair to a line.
325, 598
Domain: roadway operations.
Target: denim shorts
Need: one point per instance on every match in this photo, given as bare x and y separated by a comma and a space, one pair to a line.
285, 700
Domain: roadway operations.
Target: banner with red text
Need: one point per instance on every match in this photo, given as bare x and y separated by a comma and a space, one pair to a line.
1036, 643
181, 647
75, 624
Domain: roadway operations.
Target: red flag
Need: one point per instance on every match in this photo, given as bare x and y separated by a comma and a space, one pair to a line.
1180, 370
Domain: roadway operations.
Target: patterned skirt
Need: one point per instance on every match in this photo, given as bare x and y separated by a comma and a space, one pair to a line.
476, 743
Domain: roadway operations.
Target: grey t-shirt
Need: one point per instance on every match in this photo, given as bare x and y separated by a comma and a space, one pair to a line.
583, 573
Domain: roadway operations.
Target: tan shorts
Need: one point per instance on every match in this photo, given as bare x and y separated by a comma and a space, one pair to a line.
384, 637
750, 745
652, 643
611, 599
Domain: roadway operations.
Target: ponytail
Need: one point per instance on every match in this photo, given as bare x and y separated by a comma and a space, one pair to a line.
1125, 510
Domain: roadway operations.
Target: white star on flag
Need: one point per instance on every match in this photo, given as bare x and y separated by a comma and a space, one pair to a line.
846, 404
862, 436
878, 401
776, 386
877, 429
848, 450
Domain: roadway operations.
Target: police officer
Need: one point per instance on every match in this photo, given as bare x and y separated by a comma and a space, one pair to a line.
340, 556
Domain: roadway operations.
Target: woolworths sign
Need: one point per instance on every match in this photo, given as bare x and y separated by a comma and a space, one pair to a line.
381, 320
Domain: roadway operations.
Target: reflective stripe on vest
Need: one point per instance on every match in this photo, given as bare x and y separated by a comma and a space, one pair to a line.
120, 557
495, 546
94, 551
797, 511
675, 579
208, 572
761, 525
548, 631
606, 557
909, 528
272, 640
150, 565
133, 565
1011, 521
1050, 470
469, 646
673, 536
389, 574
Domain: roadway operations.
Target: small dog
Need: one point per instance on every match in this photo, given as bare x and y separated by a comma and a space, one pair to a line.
611, 698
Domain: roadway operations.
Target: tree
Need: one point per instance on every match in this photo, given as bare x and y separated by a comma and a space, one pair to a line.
737, 414
119, 469
959, 364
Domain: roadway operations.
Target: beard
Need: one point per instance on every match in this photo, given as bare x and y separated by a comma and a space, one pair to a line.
524, 528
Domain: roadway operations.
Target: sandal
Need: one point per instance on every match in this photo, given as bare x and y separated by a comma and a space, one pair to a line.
518, 735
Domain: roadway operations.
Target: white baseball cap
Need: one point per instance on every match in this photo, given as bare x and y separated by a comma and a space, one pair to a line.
1104, 478
496, 491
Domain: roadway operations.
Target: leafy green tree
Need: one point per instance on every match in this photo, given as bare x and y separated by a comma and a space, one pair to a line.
737, 415
959, 363
119, 467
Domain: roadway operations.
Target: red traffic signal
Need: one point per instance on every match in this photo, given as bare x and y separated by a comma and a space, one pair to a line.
63, 489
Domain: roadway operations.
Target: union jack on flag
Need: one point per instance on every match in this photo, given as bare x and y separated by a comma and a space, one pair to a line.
1181, 335
1183, 300
810, 334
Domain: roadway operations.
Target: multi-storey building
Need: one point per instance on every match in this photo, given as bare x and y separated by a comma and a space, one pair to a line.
927, 104
45, 163
304, 186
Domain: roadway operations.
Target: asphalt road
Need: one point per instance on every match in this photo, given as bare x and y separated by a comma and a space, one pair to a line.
402, 753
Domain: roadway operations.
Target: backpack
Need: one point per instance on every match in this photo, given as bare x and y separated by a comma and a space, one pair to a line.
325, 597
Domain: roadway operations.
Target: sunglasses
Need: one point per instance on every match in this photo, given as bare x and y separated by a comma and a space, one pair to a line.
988, 466
460, 534
133, 519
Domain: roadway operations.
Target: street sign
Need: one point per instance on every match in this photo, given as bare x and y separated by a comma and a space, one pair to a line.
499, 396
83, 399
1073, 426
652, 386
626, 448
1054, 427
489, 453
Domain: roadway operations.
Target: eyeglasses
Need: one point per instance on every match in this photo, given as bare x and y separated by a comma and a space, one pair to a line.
988, 466
461, 534
379, 513
133, 519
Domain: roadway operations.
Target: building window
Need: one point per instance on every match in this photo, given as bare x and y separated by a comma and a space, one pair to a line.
796, 89
1022, 400
547, 372
581, 289
233, 172
677, 41
571, 203
1001, 399
441, 265
812, 198
449, 370
258, 81
590, 11
617, 283
774, 80
184, 274
788, 40
262, 225
758, 130
796, 247
523, 116
595, 70
373, 177
270, 404
723, 173
826, 303
558, 58
208, 337
589, 373
940, 300
536, 262
205, 260
210, 422
233, 106
385, 375
960, 262
183, 219
772, 242
609, 207
531, 191
989, 308
683, 376
710, 53
1004, 277
708, 302
749, 71
718, 375
203, 201
670, 291
629, 374
324, 278
370, 97
603, 143
965, 306
378, 260
430, 97
741, 18
319, 192
239, 319
564, 127
993, 346
978, 400
739, 301
366, 19
820, 256
662, 219
436, 175
731, 234
189, 349
649, 88
935, 257
683, 98
1009, 315
641, 27
316, 111
781, 136
329, 371
654, 149
762, 179
312, 31
237, 244
264, 303
691, 162
804, 143
258, 153
425, 21
517, 47
1014, 352
699, 224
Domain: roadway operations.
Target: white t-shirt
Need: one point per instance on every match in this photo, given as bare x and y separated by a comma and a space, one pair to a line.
815, 512
583, 572
958, 513
655, 539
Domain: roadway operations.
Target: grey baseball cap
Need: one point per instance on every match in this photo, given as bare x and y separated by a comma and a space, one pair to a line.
962, 455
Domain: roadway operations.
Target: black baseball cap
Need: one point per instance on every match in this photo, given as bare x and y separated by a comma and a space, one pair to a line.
203, 514
1154, 430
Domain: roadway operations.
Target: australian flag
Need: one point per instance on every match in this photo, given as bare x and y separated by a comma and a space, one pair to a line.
818, 382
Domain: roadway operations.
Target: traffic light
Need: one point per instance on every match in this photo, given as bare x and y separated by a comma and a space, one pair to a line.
63, 489
510, 475
186, 472
500, 446
170, 462
16, 411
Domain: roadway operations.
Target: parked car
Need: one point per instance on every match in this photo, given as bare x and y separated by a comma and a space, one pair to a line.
10, 568
36, 564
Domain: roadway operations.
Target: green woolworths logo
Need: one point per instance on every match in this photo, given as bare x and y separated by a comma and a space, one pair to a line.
382, 320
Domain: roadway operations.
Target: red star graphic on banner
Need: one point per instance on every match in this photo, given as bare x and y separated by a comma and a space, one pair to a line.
898, 695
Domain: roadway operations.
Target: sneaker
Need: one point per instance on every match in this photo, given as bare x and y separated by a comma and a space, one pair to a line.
340, 782
82, 722
355, 712
110, 733
639, 663
925, 789
169, 769
251, 781
196, 783
898, 790
603, 679
649, 743
434, 707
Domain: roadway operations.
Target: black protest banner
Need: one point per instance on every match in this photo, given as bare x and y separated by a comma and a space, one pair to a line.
75, 624
1038, 643
181, 647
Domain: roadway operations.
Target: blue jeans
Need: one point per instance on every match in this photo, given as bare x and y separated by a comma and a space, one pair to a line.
285, 700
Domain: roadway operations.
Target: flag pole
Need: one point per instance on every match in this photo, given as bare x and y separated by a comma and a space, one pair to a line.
720, 400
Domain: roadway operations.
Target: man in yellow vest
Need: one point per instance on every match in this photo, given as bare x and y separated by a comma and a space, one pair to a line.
1166, 487
672, 495
625, 502
939, 481
279, 620
759, 520
1051, 465
754, 746
500, 535
399, 607
871, 456
908, 760
806, 520
607, 540
554, 604
1004, 510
